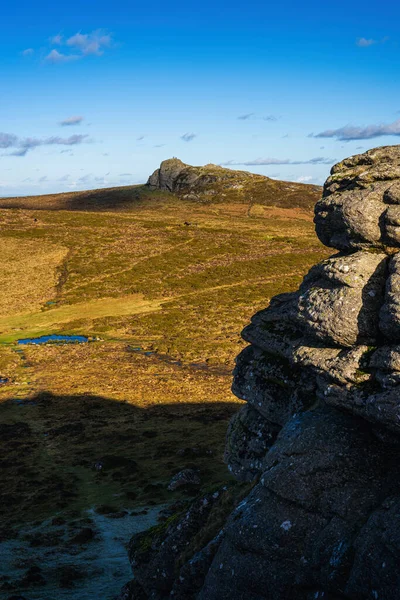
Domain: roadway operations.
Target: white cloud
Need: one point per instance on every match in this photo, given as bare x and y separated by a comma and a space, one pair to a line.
78, 46
57, 57
350, 132
90, 43
304, 178
28, 52
23, 145
364, 42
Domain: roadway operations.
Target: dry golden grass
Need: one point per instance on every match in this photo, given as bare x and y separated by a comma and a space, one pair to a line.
30, 324
177, 279
28, 274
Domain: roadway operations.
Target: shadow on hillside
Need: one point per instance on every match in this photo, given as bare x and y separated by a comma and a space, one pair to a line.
107, 199
69, 453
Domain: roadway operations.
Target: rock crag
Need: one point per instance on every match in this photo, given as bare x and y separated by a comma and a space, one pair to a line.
318, 440
215, 184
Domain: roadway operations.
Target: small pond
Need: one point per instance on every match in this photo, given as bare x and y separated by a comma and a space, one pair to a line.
55, 339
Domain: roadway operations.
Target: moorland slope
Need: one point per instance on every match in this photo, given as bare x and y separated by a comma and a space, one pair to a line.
162, 284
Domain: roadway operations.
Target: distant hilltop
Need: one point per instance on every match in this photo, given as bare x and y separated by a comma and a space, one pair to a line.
213, 183
175, 180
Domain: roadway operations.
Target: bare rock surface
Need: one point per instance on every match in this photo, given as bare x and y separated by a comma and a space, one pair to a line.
339, 299
319, 436
353, 210
297, 530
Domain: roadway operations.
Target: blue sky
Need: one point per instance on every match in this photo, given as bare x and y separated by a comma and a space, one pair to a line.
96, 94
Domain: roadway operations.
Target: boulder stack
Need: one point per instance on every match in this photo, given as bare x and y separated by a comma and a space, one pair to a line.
320, 432
319, 436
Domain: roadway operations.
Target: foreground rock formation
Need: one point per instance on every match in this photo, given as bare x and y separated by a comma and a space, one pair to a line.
319, 437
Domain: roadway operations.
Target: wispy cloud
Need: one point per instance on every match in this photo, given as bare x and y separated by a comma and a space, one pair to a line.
364, 42
349, 133
90, 43
8, 140
56, 57
252, 115
125, 174
85, 178
28, 52
75, 120
319, 160
23, 145
79, 46
56, 40
188, 137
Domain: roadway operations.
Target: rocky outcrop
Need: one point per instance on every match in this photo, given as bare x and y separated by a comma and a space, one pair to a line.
215, 184
166, 177
319, 435
177, 177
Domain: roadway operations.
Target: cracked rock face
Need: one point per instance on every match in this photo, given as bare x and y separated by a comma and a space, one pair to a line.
320, 434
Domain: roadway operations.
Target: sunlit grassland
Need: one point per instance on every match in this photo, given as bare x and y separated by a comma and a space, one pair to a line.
178, 280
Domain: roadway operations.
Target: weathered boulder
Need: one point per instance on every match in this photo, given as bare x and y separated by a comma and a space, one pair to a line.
166, 176
340, 299
352, 212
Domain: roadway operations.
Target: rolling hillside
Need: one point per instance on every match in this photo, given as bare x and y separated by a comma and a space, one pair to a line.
162, 285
